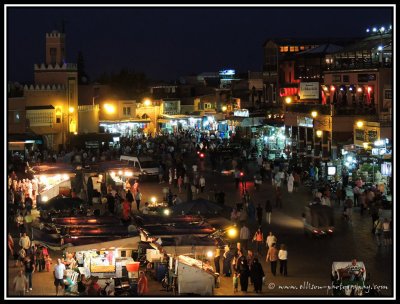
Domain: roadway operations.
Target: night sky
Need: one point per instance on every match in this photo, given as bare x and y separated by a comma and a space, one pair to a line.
169, 42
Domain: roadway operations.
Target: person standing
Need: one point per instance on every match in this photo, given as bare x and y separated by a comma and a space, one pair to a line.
257, 273
349, 209
20, 284
237, 178
271, 239
180, 182
272, 256
142, 284
186, 181
29, 270
386, 232
58, 274
243, 268
10, 243
28, 219
290, 183
282, 255
259, 239
138, 198
227, 262
216, 260
244, 236
202, 183
25, 242
378, 231
129, 198
296, 181
268, 211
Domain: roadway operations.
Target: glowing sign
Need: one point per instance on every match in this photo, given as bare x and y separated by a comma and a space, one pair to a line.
227, 72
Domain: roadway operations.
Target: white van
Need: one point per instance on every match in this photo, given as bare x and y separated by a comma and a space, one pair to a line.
143, 166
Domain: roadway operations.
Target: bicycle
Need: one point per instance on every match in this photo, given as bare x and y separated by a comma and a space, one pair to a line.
169, 286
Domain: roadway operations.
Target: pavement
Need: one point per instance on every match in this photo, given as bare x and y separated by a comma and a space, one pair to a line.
309, 260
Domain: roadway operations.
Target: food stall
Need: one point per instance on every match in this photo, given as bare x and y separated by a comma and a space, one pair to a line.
105, 259
194, 276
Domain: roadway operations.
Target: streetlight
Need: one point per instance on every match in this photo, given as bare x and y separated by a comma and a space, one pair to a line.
71, 110
359, 124
314, 114
147, 102
319, 133
288, 100
109, 108
224, 108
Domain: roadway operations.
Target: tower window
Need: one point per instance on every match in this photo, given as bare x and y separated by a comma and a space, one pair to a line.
53, 55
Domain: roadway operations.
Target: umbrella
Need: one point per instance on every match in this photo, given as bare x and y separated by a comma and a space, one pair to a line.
61, 203
198, 206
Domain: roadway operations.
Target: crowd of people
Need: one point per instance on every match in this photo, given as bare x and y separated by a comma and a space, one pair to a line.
172, 152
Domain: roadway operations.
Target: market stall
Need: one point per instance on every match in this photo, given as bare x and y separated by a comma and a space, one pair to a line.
194, 276
51, 185
105, 259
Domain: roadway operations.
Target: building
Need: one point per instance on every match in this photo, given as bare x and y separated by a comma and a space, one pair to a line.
51, 103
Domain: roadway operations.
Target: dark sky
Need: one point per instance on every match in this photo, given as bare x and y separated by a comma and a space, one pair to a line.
168, 42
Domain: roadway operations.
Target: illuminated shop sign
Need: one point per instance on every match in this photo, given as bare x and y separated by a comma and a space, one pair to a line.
309, 90
241, 113
305, 122
227, 72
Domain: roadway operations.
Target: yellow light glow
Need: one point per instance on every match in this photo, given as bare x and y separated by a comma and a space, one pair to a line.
314, 114
112, 174
319, 133
45, 199
224, 108
119, 172
359, 124
75, 133
365, 145
166, 211
232, 232
147, 102
71, 110
288, 100
128, 174
153, 199
109, 108
359, 90
209, 254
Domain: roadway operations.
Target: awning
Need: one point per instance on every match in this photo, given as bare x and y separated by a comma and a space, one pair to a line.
252, 121
125, 121
125, 243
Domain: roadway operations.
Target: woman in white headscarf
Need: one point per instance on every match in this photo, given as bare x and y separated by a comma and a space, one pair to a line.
290, 183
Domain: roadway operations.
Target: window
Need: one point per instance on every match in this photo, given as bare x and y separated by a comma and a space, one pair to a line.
345, 78
292, 48
53, 54
126, 111
388, 94
336, 78
58, 120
